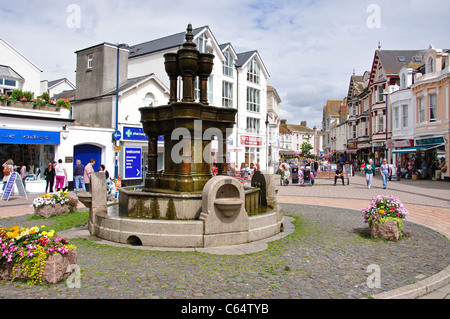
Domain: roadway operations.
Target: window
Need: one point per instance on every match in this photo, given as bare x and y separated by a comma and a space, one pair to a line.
403, 84
430, 65
10, 82
381, 123
89, 60
252, 100
149, 99
253, 72
396, 117
201, 42
227, 94
210, 89
228, 64
433, 107
380, 93
252, 125
421, 106
405, 115
354, 131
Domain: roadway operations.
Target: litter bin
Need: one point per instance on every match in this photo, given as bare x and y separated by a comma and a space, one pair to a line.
294, 175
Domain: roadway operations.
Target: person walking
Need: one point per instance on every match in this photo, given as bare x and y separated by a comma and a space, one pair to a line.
88, 170
369, 169
49, 175
78, 176
61, 175
8, 169
23, 175
385, 172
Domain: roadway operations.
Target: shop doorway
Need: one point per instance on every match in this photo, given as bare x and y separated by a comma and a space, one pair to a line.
85, 152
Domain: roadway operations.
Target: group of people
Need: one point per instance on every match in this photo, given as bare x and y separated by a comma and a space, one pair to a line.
385, 172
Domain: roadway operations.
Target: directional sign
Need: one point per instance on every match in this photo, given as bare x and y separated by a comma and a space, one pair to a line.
14, 179
117, 135
133, 163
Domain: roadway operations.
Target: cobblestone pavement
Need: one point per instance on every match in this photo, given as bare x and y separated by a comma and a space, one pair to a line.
326, 257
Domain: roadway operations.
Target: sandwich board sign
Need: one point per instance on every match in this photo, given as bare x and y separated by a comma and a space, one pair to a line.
14, 179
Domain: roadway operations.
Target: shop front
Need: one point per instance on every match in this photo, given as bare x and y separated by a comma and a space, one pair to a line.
32, 148
253, 147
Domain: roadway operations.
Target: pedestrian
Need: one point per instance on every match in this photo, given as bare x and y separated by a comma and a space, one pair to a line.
287, 175
385, 172
339, 174
78, 176
23, 174
103, 170
88, 170
369, 169
8, 169
49, 175
61, 175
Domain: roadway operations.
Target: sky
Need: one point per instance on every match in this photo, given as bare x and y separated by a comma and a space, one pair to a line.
310, 48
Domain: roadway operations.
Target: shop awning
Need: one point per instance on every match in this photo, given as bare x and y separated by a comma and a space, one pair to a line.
416, 148
352, 151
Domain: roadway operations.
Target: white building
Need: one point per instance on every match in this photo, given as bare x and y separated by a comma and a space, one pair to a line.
16, 71
56, 86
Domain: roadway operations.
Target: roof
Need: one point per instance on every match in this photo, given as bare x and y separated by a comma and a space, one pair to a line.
68, 94
333, 107
298, 128
394, 60
283, 130
244, 57
20, 54
55, 82
130, 83
9, 73
171, 41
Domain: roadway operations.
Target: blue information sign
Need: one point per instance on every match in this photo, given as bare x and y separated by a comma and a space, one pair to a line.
133, 163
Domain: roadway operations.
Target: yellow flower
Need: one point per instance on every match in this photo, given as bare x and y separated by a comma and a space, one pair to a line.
9, 234
43, 226
44, 233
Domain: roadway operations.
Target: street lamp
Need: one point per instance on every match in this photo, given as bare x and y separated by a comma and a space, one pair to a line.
116, 166
386, 95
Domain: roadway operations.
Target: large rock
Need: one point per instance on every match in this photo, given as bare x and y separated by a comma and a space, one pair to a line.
48, 211
387, 230
55, 269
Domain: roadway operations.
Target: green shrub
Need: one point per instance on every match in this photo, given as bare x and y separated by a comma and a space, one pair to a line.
17, 94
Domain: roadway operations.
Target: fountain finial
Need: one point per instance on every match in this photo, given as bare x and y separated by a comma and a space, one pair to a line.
189, 38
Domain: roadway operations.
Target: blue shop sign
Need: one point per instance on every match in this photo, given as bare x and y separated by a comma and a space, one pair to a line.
8, 136
133, 162
136, 134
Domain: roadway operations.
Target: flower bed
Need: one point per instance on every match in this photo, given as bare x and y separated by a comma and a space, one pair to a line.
53, 204
25, 253
382, 214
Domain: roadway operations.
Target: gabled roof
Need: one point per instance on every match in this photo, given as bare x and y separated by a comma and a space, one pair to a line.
19, 54
165, 43
55, 82
228, 46
356, 86
134, 82
245, 57
283, 130
394, 60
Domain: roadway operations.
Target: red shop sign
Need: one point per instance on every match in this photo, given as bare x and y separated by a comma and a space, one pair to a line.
251, 140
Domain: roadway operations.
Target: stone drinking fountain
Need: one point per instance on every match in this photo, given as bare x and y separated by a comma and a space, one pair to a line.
185, 206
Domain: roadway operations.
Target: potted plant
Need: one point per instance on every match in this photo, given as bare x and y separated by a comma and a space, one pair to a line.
385, 216
53, 204
4, 99
65, 103
34, 254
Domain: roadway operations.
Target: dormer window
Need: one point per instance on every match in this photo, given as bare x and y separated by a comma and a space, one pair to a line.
201, 43
228, 64
430, 65
253, 71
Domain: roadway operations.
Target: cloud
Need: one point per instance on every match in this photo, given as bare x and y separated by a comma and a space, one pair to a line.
310, 48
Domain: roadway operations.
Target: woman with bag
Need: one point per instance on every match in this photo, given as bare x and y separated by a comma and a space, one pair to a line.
385, 171
8, 168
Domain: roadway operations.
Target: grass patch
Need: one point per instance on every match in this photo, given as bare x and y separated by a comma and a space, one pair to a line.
63, 222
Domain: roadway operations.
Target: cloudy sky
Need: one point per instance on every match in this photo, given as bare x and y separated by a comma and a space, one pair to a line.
310, 48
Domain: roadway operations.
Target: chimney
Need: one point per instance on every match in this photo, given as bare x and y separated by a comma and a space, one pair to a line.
283, 122
303, 123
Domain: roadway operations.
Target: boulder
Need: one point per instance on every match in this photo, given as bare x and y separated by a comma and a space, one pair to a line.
387, 230
48, 211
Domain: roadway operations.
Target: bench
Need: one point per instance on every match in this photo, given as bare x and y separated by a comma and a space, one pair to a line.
330, 176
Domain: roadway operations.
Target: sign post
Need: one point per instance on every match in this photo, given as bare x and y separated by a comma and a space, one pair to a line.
14, 179
133, 163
